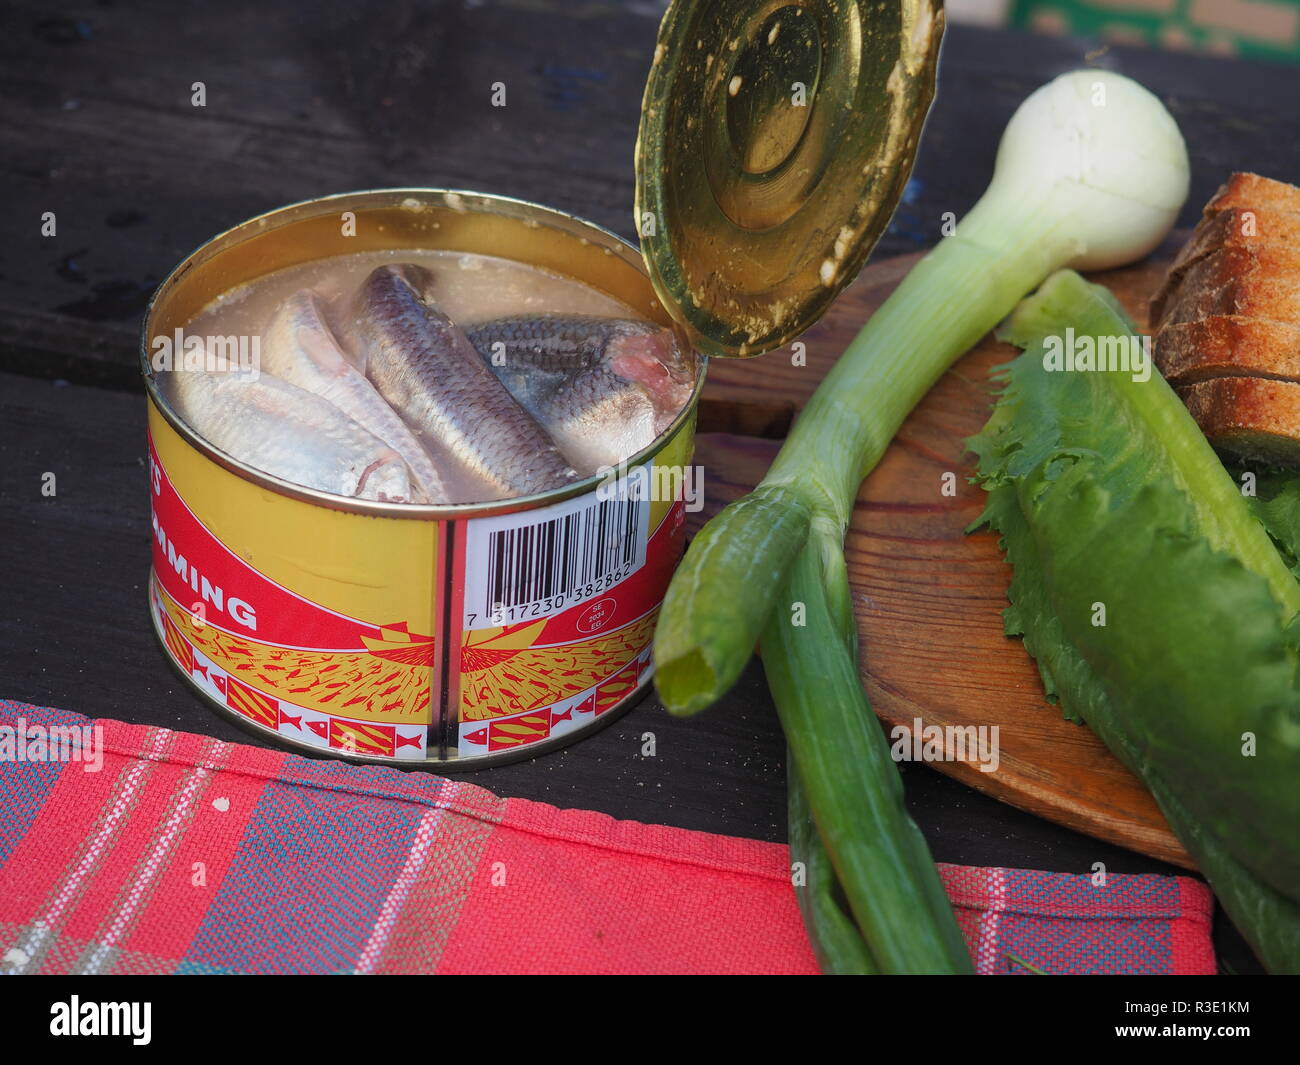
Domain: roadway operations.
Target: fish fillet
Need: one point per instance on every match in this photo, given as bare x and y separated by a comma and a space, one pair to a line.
426, 368
300, 347
604, 388
284, 430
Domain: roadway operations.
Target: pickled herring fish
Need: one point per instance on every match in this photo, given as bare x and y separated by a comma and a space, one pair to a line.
603, 388
426, 368
284, 430
300, 347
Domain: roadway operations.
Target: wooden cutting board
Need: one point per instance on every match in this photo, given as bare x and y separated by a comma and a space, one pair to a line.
929, 597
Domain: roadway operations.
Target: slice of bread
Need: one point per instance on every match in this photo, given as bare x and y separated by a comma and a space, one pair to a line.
1227, 320
1240, 227
1254, 193
1228, 346
1237, 227
1259, 281
1254, 417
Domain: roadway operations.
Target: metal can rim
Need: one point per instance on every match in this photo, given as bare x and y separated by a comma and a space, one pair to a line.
416, 511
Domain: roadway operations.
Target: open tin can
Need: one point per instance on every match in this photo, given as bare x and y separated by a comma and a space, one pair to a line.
374, 631
371, 630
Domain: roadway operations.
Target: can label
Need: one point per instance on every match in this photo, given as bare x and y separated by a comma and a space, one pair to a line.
402, 638
557, 607
310, 673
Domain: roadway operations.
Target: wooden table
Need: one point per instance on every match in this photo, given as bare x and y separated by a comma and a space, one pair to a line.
99, 129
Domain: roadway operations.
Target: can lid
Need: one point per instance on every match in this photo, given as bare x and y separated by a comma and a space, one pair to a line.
775, 142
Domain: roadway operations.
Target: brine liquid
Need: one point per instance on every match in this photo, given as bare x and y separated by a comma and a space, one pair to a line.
471, 289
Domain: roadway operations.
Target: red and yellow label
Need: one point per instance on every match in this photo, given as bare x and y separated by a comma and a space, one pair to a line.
327, 627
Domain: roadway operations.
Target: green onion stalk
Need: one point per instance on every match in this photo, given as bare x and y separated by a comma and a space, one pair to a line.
1091, 172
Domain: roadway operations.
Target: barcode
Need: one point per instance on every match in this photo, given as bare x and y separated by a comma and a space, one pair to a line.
566, 558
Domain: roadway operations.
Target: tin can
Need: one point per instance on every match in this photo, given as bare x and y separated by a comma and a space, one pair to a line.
403, 633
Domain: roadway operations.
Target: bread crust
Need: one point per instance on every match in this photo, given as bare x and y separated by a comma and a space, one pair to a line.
1256, 281
1236, 227
1228, 346
1254, 417
1244, 189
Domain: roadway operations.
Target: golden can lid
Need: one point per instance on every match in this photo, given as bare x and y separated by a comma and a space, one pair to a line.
775, 141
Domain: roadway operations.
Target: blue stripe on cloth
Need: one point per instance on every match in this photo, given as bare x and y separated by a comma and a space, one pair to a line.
303, 892
379, 779
1067, 946
1060, 894
1063, 923
25, 784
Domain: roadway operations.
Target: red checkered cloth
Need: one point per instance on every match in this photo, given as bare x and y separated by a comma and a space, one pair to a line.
179, 853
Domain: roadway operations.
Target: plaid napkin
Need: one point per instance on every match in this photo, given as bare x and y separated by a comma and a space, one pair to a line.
170, 852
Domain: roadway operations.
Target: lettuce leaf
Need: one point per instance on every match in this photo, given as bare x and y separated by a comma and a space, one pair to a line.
1277, 504
1157, 607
